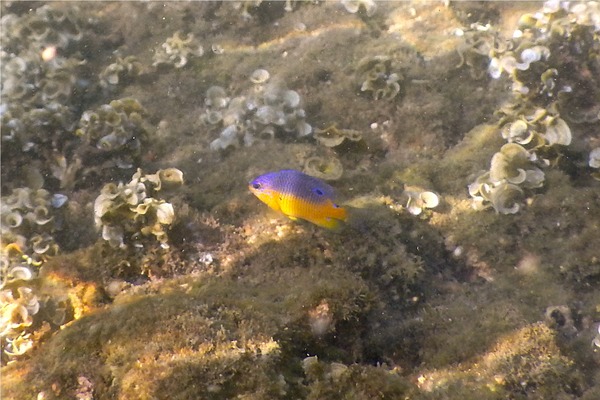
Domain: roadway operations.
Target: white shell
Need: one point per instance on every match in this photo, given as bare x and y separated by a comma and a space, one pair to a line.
595, 158
291, 98
558, 132
504, 198
165, 213
13, 219
328, 169
260, 76
20, 272
534, 179
58, 200
429, 199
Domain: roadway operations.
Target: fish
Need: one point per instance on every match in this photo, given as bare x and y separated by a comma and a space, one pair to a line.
300, 196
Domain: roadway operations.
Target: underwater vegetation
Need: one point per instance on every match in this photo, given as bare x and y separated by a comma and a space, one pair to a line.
29, 219
379, 78
127, 213
122, 70
550, 56
118, 130
266, 110
119, 280
176, 50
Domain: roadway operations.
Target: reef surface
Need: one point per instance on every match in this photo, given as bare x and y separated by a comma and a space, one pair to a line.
463, 136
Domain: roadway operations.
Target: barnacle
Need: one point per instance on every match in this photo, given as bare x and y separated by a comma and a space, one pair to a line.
506, 198
124, 211
12, 219
165, 213
176, 50
43, 244
518, 132
227, 138
118, 128
333, 137
16, 316
557, 132
170, 178
43, 28
216, 97
260, 76
511, 164
261, 113
379, 78
40, 215
19, 272
502, 196
419, 200
30, 214
19, 345
324, 168
122, 69
552, 86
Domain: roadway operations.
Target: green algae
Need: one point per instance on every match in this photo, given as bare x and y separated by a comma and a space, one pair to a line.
444, 306
215, 332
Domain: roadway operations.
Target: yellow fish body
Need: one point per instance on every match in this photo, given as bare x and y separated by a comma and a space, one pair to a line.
299, 196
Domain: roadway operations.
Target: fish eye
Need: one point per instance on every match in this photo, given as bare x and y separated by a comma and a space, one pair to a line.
319, 192
335, 205
256, 185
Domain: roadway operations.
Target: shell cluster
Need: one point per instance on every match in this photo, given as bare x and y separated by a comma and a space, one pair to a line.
41, 82
177, 50
33, 71
45, 84
333, 137
41, 77
379, 78
263, 112
473, 51
329, 168
123, 69
553, 91
512, 170
17, 308
128, 213
31, 131
418, 200
118, 128
537, 129
27, 220
44, 27
28, 217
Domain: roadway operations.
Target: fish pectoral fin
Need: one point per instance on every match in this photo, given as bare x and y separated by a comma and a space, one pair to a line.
292, 218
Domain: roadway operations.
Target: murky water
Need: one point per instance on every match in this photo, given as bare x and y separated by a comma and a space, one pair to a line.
448, 247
